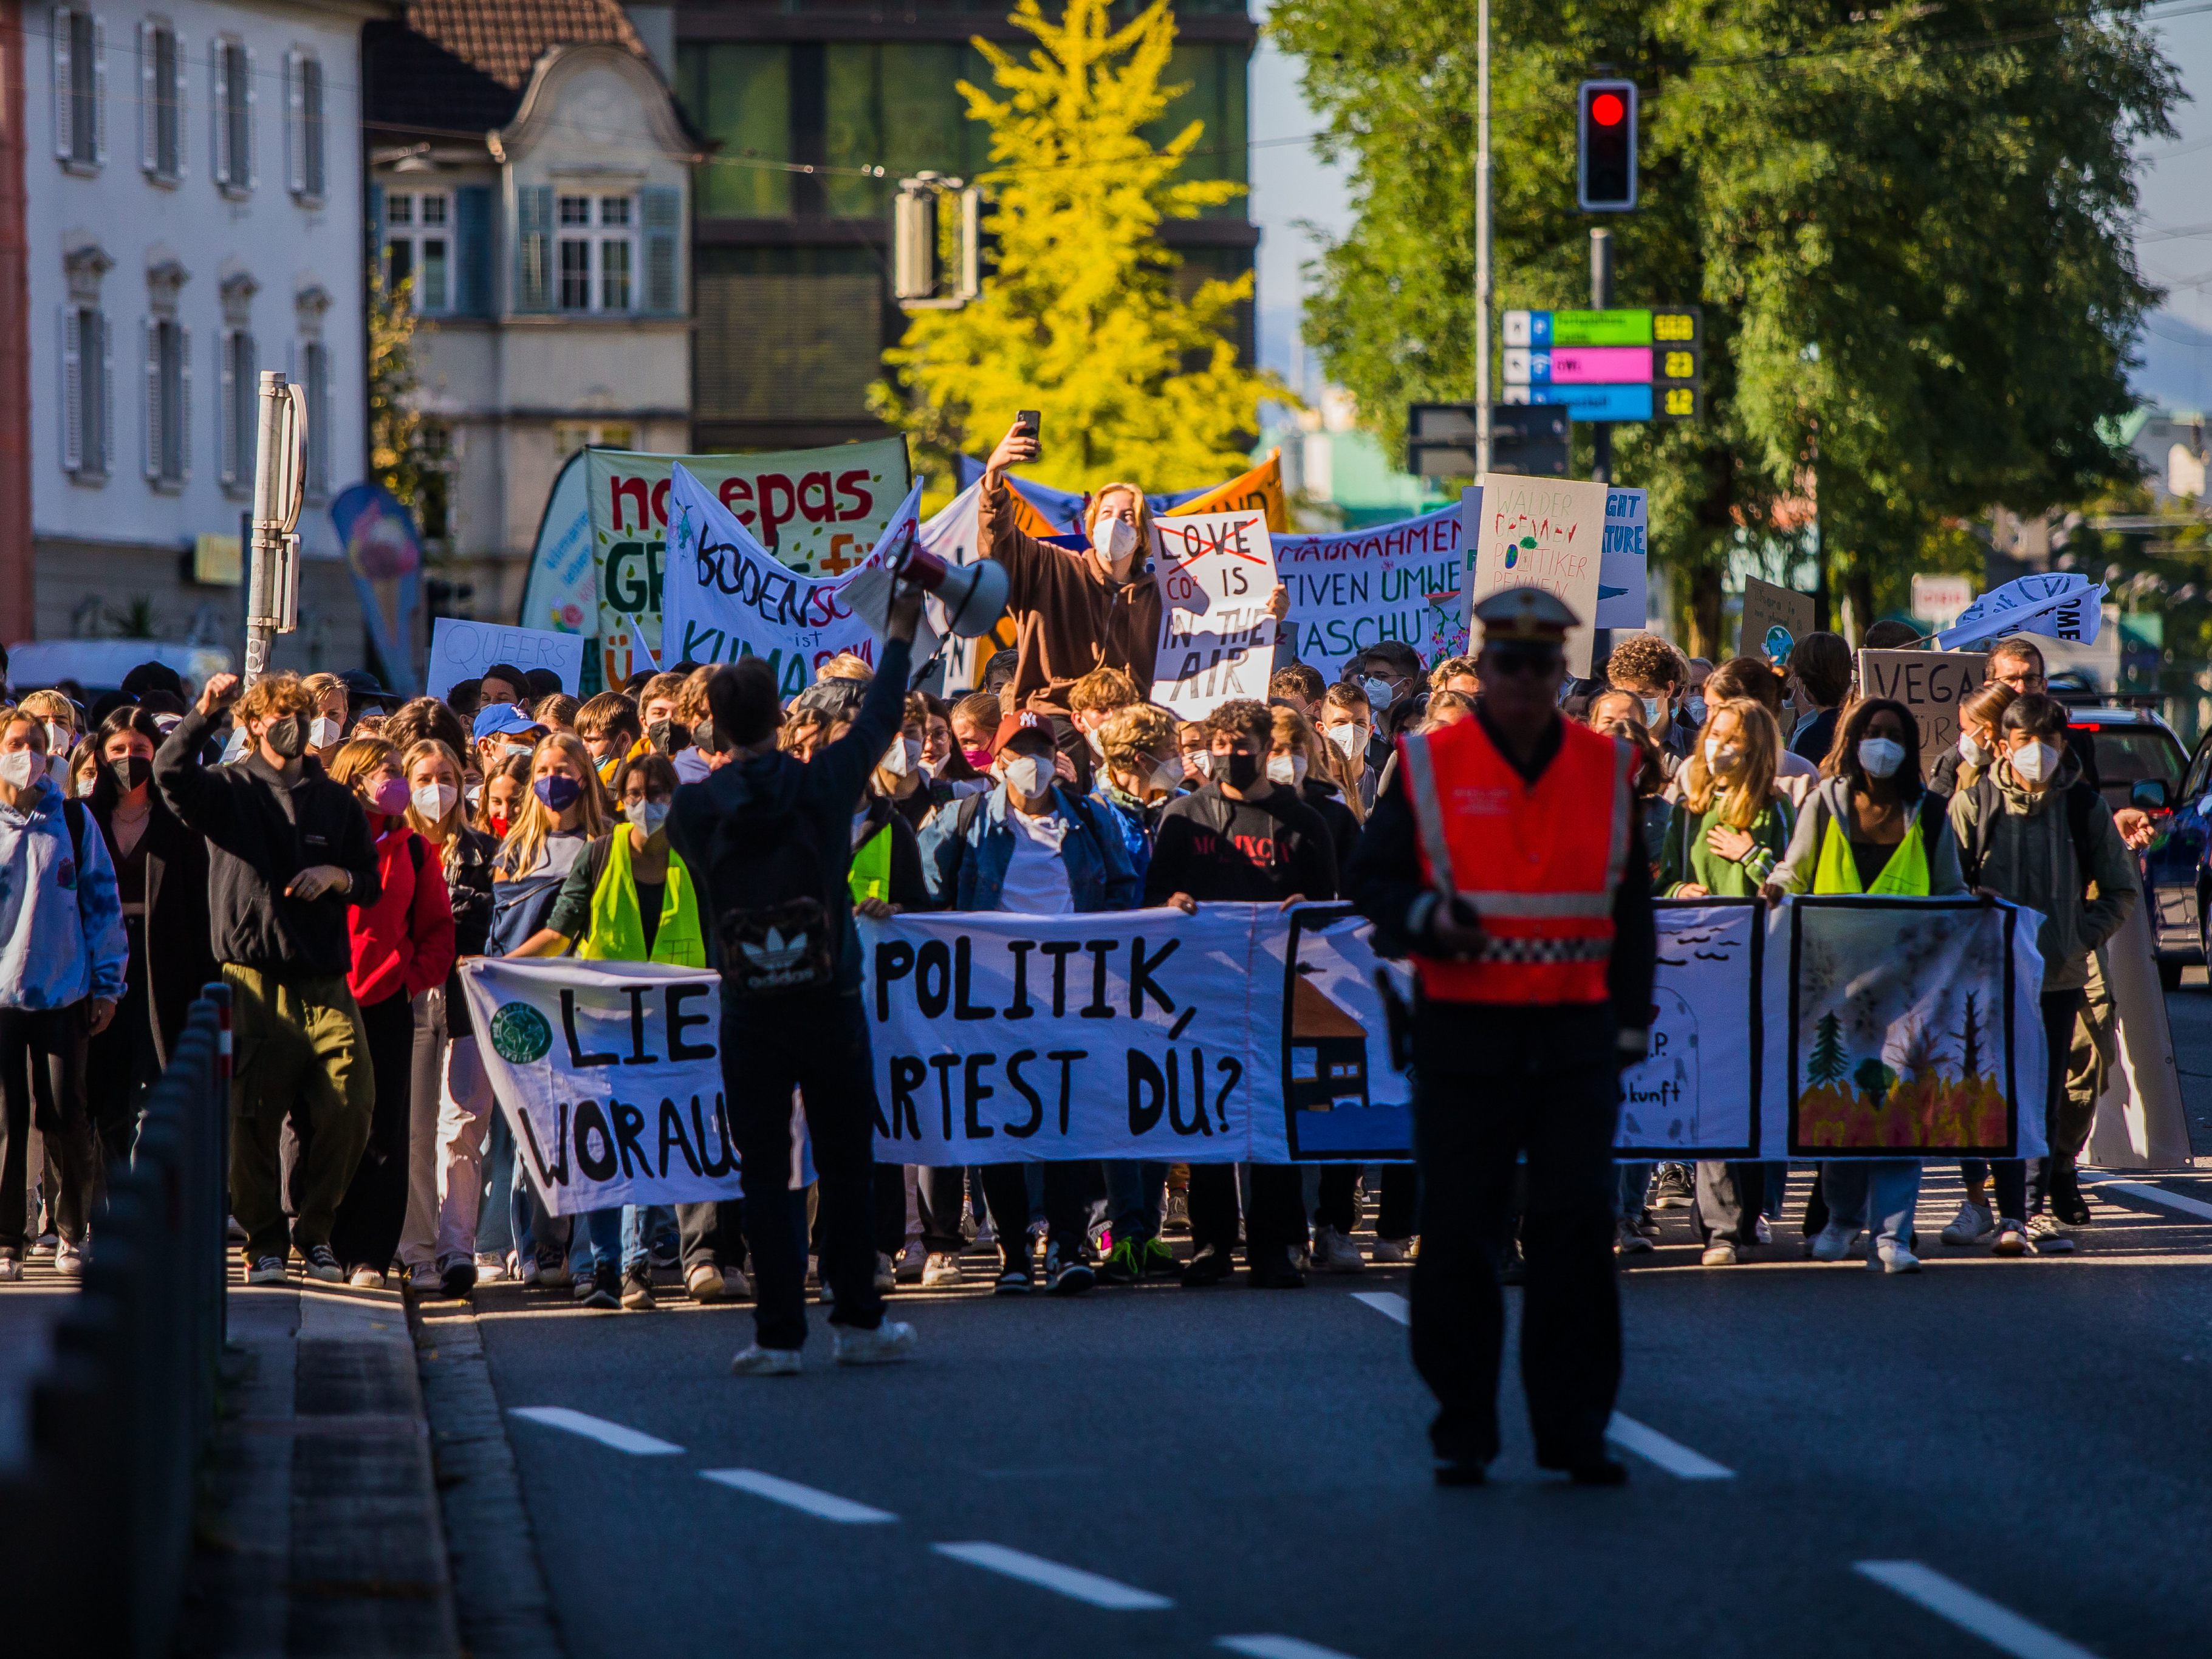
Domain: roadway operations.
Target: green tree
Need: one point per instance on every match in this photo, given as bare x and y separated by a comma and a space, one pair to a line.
1080, 315
1908, 227
1827, 1064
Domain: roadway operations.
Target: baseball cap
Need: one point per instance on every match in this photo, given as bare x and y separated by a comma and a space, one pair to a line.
1027, 720
502, 720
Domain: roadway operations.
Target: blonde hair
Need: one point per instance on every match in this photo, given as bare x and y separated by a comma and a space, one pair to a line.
525, 836
273, 696
49, 705
457, 815
1135, 733
316, 685
358, 757
1143, 526
1748, 796
17, 714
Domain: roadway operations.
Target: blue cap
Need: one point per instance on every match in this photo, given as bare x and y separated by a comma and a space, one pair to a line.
502, 720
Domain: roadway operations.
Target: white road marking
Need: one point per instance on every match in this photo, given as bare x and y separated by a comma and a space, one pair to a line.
827, 1505
2196, 1206
1277, 1647
1388, 1303
1072, 1582
599, 1428
1671, 1455
1649, 1444
2001, 1627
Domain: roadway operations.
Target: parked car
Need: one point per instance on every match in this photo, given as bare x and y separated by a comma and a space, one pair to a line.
2141, 763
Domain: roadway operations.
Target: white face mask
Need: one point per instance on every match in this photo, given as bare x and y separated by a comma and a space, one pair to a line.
58, 739
21, 768
1351, 741
2036, 762
168, 723
901, 759
1027, 776
1722, 759
1114, 539
1167, 776
1879, 756
433, 800
1972, 751
646, 814
508, 751
1200, 763
1379, 694
1652, 706
1097, 744
323, 731
1287, 768
475, 794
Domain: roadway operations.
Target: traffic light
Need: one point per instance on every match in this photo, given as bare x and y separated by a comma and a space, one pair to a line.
1605, 146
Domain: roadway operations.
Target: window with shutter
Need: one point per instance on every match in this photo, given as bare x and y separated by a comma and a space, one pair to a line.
533, 247
312, 168
184, 404
252, 168
226, 438
98, 43
149, 99
219, 108
106, 431
64, 84
80, 89
178, 80
149, 348
663, 212
72, 389
473, 250
161, 102
295, 165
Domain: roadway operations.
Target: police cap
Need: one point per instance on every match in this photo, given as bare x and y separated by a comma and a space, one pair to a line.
1525, 616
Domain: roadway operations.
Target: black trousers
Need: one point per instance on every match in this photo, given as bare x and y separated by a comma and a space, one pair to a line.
1393, 1214
1006, 1195
1276, 1221
122, 1064
42, 1071
943, 1192
818, 1043
1490, 1084
365, 1233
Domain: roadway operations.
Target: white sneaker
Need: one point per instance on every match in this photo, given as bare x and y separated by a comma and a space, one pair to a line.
2012, 1239
1762, 1232
1833, 1242
756, 1361
913, 1261
1393, 1252
1892, 1258
366, 1279
1720, 1253
704, 1283
736, 1287
941, 1272
266, 1270
491, 1269
553, 1269
886, 1274
1970, 1225
46, 1243
889, 1343
526, 1274
11, 1271
68, 1260
1332, 1252
2047, 1236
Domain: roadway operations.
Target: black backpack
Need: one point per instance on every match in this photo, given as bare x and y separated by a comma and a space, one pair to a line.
776, 929
1989, 804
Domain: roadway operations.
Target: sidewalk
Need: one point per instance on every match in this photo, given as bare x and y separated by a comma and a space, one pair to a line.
27, 1313
319, 1531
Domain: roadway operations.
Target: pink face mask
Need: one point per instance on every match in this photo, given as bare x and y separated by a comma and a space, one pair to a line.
390, 797
981, 759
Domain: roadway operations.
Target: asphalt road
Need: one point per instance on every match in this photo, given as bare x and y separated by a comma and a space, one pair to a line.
1824, 1461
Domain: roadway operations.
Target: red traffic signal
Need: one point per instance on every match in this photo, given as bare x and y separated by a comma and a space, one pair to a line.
1605, 147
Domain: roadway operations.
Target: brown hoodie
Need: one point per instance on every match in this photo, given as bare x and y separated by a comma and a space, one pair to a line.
1068, 619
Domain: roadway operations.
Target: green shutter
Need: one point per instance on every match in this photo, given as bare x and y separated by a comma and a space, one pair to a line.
533, 247
662, 206
472, 238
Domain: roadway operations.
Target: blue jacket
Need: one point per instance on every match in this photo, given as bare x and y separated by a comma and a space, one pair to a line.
61, 920
966, 847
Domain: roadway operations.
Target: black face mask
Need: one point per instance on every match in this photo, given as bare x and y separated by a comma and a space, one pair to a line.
286, 738
669, 736
1237, 769
130, 772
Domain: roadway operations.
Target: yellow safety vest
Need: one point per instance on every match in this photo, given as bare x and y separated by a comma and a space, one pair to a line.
618, 930
870, 876
1906, 874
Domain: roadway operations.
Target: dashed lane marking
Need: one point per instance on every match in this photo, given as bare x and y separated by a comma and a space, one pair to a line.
615, 1435
1072, 1582
1277, 1647
2001, 1627
824, 1505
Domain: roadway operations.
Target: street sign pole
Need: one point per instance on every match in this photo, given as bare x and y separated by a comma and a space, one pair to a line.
272, 604
1482, 275
1602, 300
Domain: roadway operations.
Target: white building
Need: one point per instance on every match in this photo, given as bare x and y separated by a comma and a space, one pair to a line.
194, 215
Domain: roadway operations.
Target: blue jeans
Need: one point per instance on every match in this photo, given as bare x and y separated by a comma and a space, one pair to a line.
1877, 1194
1132, 1197
1635, 1179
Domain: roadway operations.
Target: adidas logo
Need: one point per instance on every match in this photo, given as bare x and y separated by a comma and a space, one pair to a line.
774, 954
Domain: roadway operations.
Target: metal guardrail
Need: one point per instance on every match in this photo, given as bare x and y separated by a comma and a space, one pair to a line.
98, 1522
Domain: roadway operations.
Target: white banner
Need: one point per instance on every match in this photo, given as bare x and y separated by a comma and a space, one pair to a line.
610, 1074
728, 597
1705, 1089
2060, 605
463, 650
1217, 641
1392, 581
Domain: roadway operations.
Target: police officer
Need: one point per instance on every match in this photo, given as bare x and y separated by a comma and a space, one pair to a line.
1505, 859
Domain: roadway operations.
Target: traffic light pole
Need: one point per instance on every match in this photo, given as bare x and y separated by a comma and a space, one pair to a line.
1482, 289
1601, 300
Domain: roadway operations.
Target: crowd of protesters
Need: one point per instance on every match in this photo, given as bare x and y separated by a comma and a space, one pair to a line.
333, 854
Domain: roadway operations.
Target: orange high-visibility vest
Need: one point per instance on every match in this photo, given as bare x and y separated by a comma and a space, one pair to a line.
1538, 863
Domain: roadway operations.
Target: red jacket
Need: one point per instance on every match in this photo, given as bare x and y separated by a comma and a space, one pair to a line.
403, 943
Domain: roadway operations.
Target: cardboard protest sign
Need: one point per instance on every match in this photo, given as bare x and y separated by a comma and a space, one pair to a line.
1623, 582
1391, 581
1767, 609
1217, 640
1547, 533
1702, 1086
1931, 683
609, 1073
816, 511
728, 597
463, 650
1137, 1033
1913, 1027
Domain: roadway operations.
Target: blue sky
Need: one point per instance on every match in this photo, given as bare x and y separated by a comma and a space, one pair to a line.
1290, 188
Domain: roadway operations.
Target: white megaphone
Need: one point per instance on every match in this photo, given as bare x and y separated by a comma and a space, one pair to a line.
972, 596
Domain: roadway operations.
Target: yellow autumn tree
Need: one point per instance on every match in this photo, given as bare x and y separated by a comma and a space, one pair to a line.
1080, 317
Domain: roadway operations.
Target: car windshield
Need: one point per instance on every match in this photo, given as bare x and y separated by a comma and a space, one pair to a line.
2126, 755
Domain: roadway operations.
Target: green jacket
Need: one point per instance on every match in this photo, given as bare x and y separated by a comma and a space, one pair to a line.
1686, 856
1830, 803
2028, 857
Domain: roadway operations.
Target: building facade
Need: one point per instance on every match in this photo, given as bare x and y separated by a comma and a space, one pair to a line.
530, 184
777, 86
192, 187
